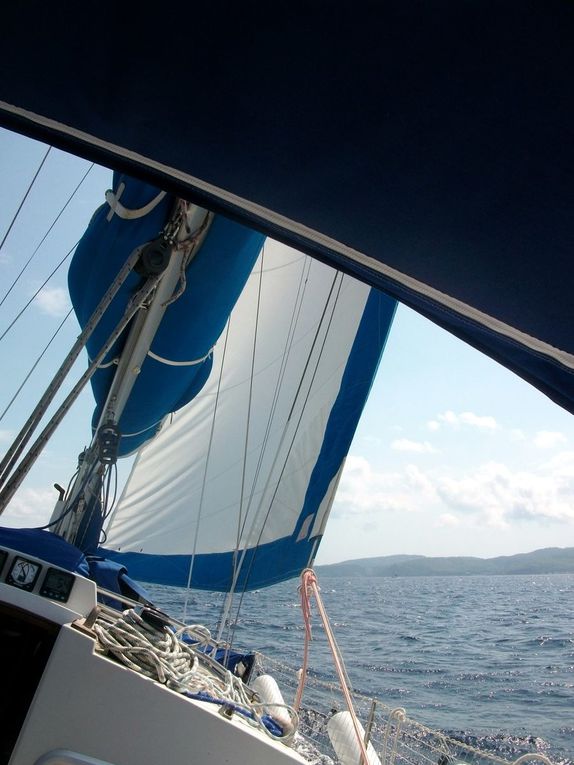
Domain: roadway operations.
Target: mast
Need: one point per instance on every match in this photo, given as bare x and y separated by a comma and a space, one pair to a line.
82, 514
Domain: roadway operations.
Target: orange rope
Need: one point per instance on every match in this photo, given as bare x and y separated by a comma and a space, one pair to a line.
309, 586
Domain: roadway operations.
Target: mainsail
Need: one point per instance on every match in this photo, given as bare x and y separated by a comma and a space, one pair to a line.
236, 489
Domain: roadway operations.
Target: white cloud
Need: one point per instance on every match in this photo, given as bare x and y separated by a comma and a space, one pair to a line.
549, 439
6, 435
364, 490
482, 422
561, 466
372, 440
497, 495
53, 301
433, 425
30, 507
493, 495
405, 445
447, 519
420, 481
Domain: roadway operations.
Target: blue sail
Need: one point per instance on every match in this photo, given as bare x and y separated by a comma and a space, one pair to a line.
236, 490
179, 361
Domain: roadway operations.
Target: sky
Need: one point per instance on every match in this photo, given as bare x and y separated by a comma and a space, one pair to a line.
454, 455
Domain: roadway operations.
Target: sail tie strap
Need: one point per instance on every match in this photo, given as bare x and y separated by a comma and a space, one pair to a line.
309, 586
162, 360
125, 213
171, 363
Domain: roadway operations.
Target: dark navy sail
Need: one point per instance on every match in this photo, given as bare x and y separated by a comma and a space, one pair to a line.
424, 147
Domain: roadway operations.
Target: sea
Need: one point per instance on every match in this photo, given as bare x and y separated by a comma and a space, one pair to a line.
489, 658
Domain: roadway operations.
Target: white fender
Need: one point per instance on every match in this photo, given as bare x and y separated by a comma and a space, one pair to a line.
268, 691
344, 739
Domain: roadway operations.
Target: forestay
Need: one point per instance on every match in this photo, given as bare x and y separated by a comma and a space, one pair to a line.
236, 489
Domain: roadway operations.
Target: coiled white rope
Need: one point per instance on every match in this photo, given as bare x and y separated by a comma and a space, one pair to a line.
163, 655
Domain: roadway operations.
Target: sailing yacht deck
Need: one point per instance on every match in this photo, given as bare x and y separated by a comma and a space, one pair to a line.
88, 704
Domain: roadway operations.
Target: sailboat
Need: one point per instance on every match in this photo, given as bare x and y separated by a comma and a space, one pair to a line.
238, 369
391, 149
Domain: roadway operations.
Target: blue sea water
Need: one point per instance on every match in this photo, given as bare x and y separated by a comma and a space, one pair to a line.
492, 657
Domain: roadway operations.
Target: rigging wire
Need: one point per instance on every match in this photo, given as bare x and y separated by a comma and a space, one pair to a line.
109, 510
240, 521
316, 367
299, 298
35, 295
95, 504
21, 205
56, 219
228, 604
33, 367
13, 453
204, 480
134, 305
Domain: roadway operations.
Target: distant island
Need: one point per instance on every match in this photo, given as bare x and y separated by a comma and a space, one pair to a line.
550, 560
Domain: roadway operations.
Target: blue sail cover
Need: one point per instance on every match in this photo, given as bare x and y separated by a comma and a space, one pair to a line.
191, 325
52, 548
423, 147
237, 488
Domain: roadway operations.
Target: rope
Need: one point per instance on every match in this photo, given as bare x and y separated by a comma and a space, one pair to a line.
163, 654
400, 715
310, 587
417, 732
169, 362
125, 213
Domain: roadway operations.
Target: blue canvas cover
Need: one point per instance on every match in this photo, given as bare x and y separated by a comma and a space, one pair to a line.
52, 548
47, 546
424, 147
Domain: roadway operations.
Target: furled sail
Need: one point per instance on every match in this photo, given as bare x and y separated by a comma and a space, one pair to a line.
236, 489
179, 360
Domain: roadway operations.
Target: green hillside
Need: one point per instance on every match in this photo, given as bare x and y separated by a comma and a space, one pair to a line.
551, 560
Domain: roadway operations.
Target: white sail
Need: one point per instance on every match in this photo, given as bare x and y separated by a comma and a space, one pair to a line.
249, 463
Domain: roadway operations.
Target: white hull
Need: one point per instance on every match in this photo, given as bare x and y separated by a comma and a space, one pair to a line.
92, 706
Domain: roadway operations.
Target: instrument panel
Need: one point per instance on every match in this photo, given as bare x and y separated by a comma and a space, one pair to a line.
32, 575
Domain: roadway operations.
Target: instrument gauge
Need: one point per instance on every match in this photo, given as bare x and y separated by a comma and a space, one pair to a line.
23, 574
